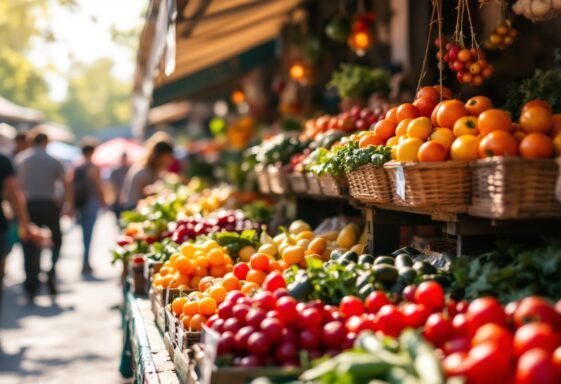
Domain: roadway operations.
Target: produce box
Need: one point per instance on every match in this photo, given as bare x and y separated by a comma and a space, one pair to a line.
159, 299
184, 367
370, 184
442, 186
514, 188
211, 374
278, 180
298, 182
314, 186
138, 280
262, 179
334, 186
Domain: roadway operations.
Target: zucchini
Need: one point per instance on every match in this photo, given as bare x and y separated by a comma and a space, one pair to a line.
385, 273
384, 260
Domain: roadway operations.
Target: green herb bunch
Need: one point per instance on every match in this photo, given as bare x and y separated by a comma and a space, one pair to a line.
355, 81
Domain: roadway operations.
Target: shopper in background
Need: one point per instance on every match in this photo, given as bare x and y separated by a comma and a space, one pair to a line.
159, 156
117, 179
88, 198
21, 142
41, 176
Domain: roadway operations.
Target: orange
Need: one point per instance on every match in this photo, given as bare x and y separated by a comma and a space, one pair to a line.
443, 136
173, 259
256, 276
185, 320
218, 270
283, 264
173, 282
308, 235
537, 103
318, 245
419, 128
274, 265
478, 104
246, 252
466, 125
218, 293
203, 262
188, 250
465, 148
293, 254
536, 119
194, 282
164, 271
259, 261
556, 124
384, 129
228, 260
432, 151
167, 281
268, 249
425, 105
177, 305
181, 280
205, 283
230, 282
407, 110
158, 281
430, 92
557, 144
391, 115
191, 308
435, 113
498, 143
196, 322
392, 141
370, 140
249, 287
446, 92
536, 145
186, 266
201, 271
518, 136
449, 112
401, 128
408, 149
494, 120
216, 257
207, 306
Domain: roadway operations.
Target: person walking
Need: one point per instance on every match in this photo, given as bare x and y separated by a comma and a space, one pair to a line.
41, 176
88, 198
117, 179
159, 156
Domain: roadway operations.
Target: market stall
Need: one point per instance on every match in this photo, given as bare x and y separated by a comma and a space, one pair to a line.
358, 227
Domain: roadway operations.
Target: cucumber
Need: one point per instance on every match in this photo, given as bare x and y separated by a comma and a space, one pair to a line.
407, 274
366, 259
384, 260
424, 268
403, 260
350, 256
406, 250
300, 289
440, 279
385, 273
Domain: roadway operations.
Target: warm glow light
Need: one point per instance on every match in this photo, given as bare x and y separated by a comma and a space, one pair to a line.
297, 71
362, 40
238, 97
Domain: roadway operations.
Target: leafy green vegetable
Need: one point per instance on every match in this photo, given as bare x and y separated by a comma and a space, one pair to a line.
234, 241
355, 81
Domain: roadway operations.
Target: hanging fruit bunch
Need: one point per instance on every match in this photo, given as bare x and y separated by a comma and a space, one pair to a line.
467, 60
504, 34
361, 37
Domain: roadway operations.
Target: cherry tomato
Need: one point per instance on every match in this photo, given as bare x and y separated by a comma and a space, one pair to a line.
536, 309
486, 363
264, 300
242, 336
409, 293
462, 306
457, 344
241, 270
310, 338
375, 301
461, 326
226, 344
272, 328
485, 310
535, 335
536, 366
258, 344
455, 364
415, 315
286, 351
496, 334
334, 334
557, 360
311, 318
438, 329
430, 294
274, 281
286, 307
351, 306
390, 320
254, 317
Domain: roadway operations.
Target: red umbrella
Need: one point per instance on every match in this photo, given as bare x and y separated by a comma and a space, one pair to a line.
109, 153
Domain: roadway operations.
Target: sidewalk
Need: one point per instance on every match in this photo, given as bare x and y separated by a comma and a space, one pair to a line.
76, 338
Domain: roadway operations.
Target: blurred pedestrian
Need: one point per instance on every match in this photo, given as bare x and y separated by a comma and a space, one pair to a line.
40, 175
88, 198
21, 142
159, 156
117, 179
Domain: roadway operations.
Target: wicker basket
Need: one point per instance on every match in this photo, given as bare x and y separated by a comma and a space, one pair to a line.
442, 186
278, 180
297, 181
262, 179
370, 184
314, 186
513, 188
334, 186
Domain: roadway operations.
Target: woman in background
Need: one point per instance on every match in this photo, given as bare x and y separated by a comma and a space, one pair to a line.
159, 156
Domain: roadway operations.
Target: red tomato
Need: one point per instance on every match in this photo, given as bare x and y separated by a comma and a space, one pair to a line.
409, 293
425, 105
241, 270
536, 309
390, 320
351, 306
357, 324
451, 306
286, 307
457, 344
430, 294
334, 334
557, 360
455, 364
535, 335
462, 306
375, 301
535, 366
438, 329
415, 315
495, 334
485, 310
310, 338
272, 328
273, 281
264, 300
311, 318
254, 317
486, 363
461, 326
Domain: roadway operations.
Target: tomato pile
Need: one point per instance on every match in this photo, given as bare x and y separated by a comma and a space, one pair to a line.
469, 64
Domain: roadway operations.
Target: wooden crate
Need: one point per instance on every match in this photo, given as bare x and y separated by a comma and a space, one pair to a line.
370, 184
514, 188
444, 186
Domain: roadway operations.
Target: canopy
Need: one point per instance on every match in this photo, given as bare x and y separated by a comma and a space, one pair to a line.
56, 132
12, 112
109, 153
7, 131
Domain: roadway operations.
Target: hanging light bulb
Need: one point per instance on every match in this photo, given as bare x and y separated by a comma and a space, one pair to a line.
237, 97
361, 41
299, 71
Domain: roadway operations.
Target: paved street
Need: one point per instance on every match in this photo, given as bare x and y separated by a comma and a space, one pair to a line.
75, 339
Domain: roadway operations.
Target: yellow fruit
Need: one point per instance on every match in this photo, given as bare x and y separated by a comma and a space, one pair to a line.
348, 235
392, 141
557, 144
188, 250
303, 243
466, 125
246, 253
278, 239
407, 150
318, 245
268, 249
465, 148
308, 235
329, 236
419, 128
293, 254
298, 226
358, 248
443, 136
